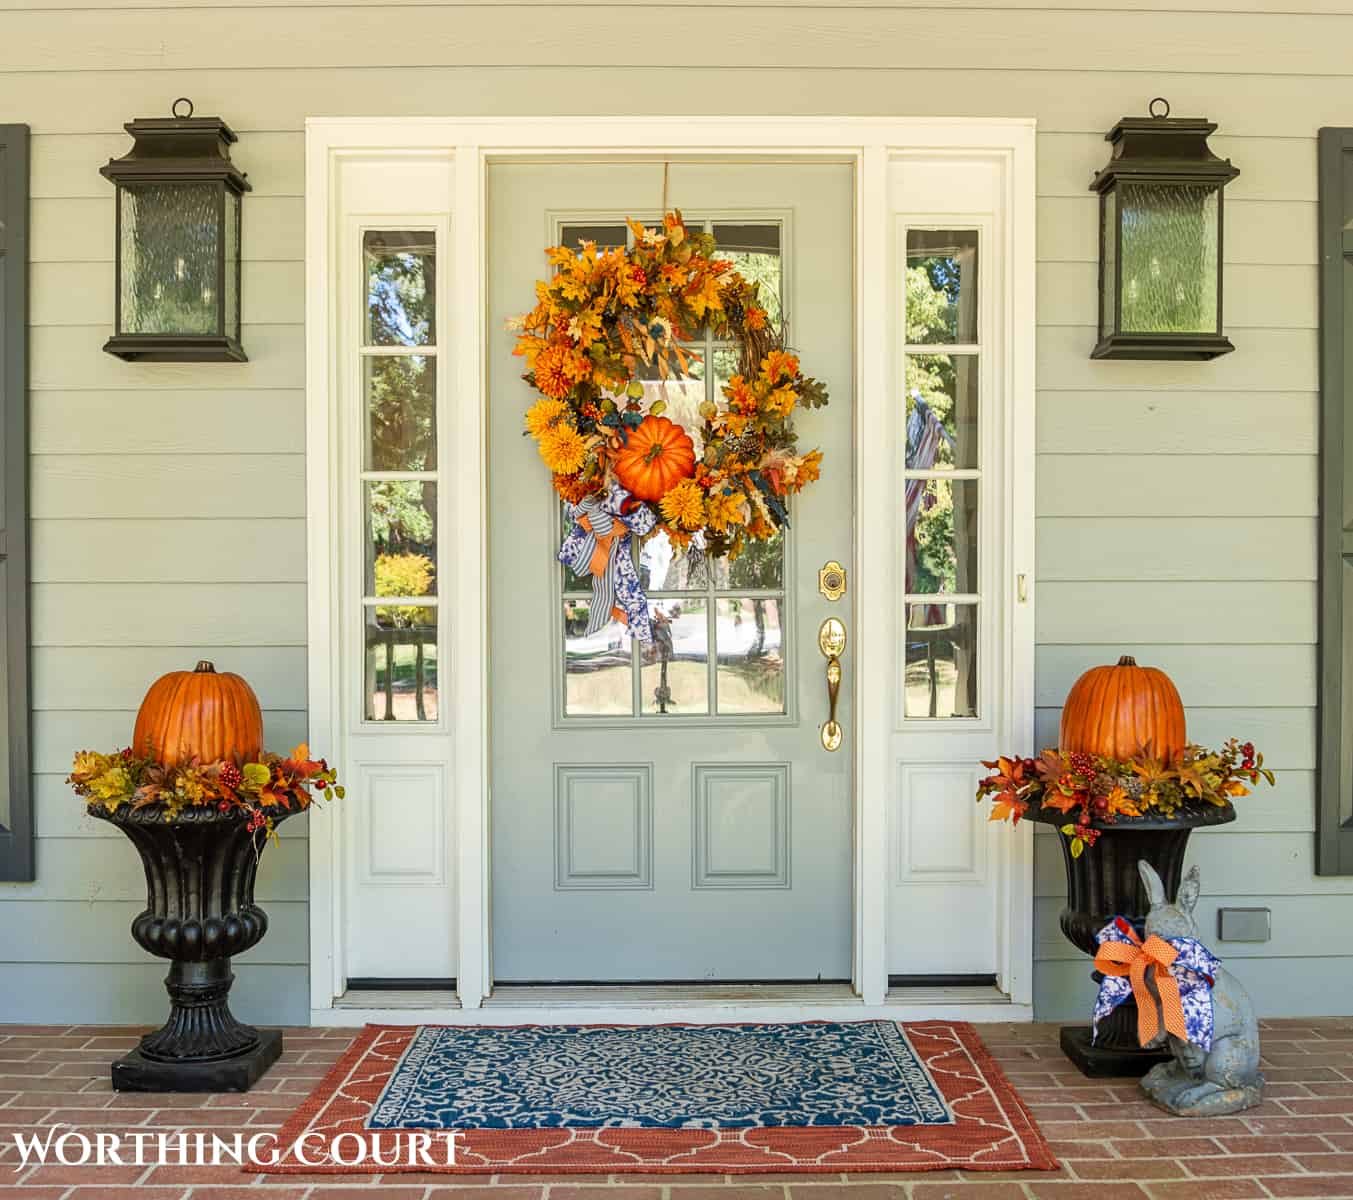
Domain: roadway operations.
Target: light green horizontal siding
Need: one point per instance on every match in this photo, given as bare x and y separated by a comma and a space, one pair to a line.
169, 548
1175, 502
132, 993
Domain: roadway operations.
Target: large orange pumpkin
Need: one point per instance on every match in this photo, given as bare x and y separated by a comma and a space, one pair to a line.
199, 714
1122, 710
658, 455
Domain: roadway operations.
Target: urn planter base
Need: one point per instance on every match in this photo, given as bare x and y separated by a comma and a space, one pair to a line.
1104, 1062
137, 1073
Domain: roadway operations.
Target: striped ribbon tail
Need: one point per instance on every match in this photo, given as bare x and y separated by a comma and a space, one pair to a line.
594, 553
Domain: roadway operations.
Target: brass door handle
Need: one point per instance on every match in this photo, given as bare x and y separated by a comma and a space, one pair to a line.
831, 640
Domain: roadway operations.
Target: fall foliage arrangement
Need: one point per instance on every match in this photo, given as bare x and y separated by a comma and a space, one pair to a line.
606, 321
1123, 752
198, 743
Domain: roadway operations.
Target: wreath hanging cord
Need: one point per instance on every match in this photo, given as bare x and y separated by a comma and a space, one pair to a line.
602, 325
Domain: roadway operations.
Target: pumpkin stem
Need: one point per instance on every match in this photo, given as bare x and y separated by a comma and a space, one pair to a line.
1127, 661
653, 452
204, 667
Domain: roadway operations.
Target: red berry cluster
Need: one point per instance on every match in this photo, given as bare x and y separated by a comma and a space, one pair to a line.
231, 776
1248, 751
1083, 765
639, 275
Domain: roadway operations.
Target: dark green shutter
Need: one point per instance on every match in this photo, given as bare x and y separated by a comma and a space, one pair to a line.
16, 807
1334, 811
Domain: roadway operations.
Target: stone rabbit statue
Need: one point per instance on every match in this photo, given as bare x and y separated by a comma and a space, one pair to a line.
1225, 1078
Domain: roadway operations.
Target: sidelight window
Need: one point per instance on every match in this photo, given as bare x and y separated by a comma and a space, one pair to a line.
942, 474
399, 475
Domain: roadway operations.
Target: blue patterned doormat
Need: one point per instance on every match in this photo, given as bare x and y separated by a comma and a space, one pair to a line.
753, 1076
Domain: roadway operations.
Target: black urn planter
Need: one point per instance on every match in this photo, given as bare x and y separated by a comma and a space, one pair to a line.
200, 911
1103, 883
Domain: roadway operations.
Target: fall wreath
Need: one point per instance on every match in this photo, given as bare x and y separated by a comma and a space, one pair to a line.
605, 323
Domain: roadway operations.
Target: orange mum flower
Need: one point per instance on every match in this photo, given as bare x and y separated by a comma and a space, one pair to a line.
554, 371
573, 488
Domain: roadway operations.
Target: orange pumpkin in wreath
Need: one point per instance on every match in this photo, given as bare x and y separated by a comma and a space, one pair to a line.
658, 455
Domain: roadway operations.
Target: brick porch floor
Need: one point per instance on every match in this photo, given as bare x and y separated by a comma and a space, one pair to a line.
1113, 1145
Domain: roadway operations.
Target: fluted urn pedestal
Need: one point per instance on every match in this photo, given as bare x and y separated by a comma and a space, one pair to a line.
1103, 883
200, 911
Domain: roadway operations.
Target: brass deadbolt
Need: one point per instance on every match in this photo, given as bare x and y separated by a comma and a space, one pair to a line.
831, 580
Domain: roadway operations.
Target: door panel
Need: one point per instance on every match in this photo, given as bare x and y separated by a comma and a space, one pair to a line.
704, 833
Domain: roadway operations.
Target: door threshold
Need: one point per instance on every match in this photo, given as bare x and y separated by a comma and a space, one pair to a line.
401, 998
957, 994
646, 995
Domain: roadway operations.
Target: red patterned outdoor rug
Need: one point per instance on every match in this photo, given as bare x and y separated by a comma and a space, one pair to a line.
747, 1098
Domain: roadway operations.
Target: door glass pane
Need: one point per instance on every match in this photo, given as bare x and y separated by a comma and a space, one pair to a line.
751, 666
1169, 258
941, 535
401, 663
725, 363
401, 287
755, 251
941, 660
665, 569
607, 235
941, 286
401, 429
941, 411
597, 670
682, 398
401, 550
674, 676
760, 567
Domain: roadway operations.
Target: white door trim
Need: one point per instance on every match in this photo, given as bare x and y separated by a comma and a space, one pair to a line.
467, 146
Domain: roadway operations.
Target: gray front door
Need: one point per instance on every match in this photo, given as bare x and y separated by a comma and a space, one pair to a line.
699, 832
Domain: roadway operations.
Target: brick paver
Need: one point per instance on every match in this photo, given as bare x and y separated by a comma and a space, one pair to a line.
1298, 1145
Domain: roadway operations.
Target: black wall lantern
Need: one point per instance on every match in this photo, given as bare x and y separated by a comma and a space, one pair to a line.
1160, 248
178, 241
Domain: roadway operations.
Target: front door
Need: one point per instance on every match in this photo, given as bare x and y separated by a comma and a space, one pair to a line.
671, 814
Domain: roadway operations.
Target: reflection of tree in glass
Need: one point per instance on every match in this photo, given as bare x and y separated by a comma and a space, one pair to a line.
758, 566
400, 293
763, 270
932, 293
933, 284
399, 517
402, 414
935, 567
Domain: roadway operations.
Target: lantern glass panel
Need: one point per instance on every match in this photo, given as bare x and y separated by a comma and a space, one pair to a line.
232, 265
1169, 248
1108, 285
170, 257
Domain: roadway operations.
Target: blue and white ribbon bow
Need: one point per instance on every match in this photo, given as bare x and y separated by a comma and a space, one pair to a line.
1193, 969
599, 542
